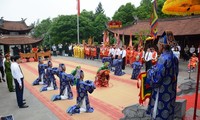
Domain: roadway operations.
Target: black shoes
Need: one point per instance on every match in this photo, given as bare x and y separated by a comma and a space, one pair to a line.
12, 91
23, 106
3, 80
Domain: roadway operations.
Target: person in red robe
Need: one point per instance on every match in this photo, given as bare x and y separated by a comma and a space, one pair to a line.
193, 62
154, 56
93, 52
102, 78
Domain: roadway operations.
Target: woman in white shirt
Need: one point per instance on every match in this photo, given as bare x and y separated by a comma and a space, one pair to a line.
176, 52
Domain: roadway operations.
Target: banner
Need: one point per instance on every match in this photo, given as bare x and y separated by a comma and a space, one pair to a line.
145, 90
114, 24
154, 21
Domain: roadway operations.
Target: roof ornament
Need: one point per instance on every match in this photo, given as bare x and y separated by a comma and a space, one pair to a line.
135, 19
1, 21
23, 20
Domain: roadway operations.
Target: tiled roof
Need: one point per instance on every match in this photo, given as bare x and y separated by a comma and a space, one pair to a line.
18, 40
14, 25
179, 26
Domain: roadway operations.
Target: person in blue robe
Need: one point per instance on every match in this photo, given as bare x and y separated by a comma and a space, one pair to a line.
117, 63
163, 80
41, 71
82, 101
66, 81
50, 78
136, 68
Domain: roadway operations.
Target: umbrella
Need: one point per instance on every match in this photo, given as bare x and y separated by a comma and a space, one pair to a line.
181, 7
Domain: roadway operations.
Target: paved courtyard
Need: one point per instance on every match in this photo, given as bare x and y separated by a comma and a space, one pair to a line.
108, 102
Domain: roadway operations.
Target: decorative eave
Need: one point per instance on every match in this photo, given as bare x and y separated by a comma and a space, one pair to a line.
19, 40
15, 25
179, 26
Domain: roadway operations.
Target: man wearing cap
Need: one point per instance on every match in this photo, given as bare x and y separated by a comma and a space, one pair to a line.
163, 80
9, 78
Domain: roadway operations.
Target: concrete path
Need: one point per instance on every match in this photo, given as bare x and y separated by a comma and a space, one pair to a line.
35, 111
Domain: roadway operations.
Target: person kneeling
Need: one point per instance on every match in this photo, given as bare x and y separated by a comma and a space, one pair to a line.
82, 103
102, 78
51, 80
66, 81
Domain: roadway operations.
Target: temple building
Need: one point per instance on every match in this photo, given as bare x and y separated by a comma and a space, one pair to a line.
186, 30
16, 35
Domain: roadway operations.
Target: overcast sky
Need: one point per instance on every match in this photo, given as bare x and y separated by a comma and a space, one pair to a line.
33, 10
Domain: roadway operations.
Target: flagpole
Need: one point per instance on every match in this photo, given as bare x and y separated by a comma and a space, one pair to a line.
78, 14
78, 28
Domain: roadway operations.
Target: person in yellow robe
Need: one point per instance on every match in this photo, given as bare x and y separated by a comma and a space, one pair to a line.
82, 51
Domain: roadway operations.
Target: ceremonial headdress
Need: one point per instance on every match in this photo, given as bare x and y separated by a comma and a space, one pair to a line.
106, 63
40, 59
167, 38
49, 63
82, 74
62, 66
78, 67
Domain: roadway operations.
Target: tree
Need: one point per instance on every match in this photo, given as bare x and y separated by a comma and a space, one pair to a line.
63, 29
144, 10
99, 26
125, 14
41, 30
86, 24
99, 9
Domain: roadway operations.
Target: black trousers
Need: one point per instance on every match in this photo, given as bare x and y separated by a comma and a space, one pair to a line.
123, 63
148, 65
54, 53
19, 92
2, 72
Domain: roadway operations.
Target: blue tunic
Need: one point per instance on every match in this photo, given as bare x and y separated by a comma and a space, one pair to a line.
136, 69
117, 63
41, 71
66, 81
163, 81
83, 87
51, 80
